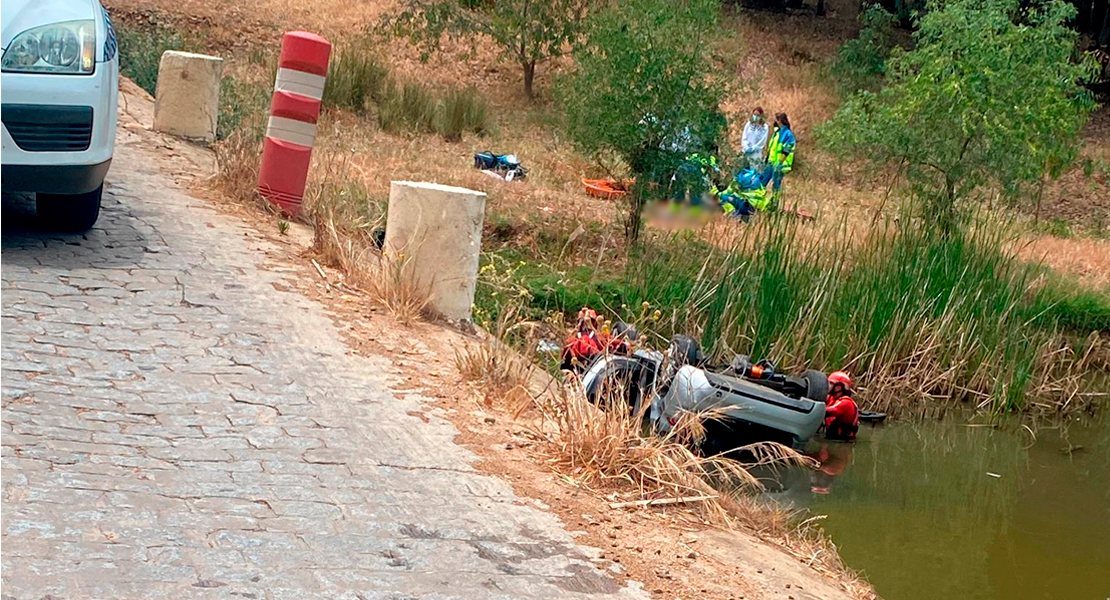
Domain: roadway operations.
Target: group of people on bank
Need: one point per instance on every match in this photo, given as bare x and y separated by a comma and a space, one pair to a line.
767, 152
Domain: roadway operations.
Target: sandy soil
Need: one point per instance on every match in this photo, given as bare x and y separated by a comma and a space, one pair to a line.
670, 551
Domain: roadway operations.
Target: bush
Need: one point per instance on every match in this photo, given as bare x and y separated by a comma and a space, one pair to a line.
990, 99
861, 61
462, 110
1060, 305
140, 50
360, 83
357, 79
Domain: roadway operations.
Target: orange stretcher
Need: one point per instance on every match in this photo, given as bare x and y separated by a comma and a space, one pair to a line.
610, 189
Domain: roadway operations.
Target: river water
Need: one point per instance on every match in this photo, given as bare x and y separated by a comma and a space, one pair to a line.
935, 510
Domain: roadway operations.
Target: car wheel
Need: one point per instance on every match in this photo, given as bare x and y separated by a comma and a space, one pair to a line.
618, 386
72, 213
628, 332
740, 365
817, 385
684, 351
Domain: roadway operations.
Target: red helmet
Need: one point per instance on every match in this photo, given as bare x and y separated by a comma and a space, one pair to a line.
588, 315
842, 378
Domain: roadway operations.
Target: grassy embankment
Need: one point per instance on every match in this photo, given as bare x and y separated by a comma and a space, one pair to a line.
920, 319
923, 321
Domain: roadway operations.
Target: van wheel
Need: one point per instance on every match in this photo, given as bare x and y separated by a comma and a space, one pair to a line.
71, 213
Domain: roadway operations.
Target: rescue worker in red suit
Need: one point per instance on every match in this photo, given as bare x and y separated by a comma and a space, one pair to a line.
589, 339
841, 412
584, 343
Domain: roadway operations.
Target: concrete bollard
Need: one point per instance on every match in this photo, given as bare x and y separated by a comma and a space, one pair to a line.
436, 230
187, 99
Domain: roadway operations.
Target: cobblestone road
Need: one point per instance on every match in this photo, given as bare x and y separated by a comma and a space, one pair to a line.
175, 426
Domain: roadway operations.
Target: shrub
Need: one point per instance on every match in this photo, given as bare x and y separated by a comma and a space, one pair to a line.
140, 50
359, 82
462, 111
861, 61
357, 78
989, 98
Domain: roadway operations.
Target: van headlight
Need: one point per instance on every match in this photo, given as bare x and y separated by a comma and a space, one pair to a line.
64, 48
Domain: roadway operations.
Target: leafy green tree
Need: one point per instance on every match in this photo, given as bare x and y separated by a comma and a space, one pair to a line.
989, 98
861, 61
645, 90
528, 31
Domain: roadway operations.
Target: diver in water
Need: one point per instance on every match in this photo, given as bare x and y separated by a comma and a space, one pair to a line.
841, 412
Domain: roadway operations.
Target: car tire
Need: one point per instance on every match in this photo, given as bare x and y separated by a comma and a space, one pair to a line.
684, 350
71, 213
620, 328
817, 385
621, 375
740, 365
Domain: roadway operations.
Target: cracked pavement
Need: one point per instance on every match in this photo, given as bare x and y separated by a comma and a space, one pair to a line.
177, 424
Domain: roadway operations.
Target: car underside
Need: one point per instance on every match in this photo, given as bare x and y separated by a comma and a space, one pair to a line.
747, 402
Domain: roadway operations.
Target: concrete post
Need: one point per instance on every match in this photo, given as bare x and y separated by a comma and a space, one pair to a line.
436, 230
187, 100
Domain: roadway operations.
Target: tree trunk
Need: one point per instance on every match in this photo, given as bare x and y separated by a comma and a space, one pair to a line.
637, 199
1104, 35
821, 8
947, 212
1085, 16
529, 77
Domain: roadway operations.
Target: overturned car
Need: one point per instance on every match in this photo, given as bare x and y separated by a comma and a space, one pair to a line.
751, 402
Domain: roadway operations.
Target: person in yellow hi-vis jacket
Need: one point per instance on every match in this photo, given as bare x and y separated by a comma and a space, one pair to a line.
780, 153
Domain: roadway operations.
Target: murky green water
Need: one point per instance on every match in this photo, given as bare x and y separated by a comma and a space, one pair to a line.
937, 511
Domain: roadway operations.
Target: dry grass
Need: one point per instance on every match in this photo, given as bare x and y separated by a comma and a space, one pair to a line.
237, 159
1088, 259
345, 218
393, 286
494, 364
610, 450
607, 448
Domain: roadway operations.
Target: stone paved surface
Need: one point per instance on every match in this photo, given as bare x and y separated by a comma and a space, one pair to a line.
175, 426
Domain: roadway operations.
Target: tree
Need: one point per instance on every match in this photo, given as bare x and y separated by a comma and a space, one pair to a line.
644, 89
527, 31
861, 61
989, 98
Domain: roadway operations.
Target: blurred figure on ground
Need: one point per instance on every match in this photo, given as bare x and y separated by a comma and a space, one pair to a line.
754, 139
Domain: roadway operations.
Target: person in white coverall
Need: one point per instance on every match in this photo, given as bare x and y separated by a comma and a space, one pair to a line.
755, 139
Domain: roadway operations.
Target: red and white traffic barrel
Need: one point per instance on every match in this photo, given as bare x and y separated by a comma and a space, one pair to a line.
291, 131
